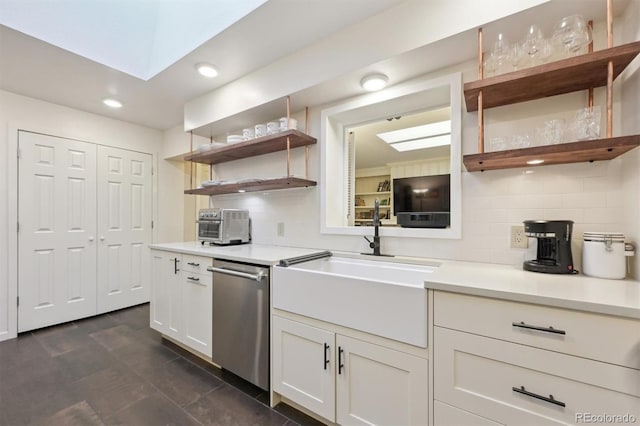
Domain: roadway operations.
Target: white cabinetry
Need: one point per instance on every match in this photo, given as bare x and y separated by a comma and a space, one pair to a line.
516, 363
347, 380
181, 299
197, 304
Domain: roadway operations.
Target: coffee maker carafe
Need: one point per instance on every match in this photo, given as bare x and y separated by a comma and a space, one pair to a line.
554, 246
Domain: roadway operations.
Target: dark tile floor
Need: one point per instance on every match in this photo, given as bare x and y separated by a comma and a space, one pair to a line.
114, 370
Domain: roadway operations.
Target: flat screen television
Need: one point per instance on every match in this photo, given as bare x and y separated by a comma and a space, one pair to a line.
423, 201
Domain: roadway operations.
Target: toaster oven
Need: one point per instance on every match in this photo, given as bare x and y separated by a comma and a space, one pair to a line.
223, 226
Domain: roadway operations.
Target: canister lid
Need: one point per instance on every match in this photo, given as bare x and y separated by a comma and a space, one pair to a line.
615, 237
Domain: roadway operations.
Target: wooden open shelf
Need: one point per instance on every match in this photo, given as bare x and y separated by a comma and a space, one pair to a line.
573, 152
253, 147
256, 186
564, 76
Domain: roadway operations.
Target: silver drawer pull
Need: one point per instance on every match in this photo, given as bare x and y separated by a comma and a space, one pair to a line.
193, 264
549, 329
550, 399
257, 277
193, 278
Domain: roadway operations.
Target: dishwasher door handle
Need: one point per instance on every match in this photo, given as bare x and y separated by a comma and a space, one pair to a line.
256, 277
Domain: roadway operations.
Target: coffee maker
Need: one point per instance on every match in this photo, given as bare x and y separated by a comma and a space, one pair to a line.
554, 246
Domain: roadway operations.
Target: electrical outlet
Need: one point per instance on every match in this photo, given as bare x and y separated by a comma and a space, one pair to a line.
280, 229
518, 239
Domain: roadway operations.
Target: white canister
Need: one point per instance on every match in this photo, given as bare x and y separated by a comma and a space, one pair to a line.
604, 255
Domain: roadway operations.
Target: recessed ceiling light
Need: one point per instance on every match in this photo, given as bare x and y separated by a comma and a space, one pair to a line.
535, 162
112, 103
206, 70
373, 82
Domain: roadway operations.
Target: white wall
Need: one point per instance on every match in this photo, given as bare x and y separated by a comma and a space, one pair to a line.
19, 112
631, 126
600, 196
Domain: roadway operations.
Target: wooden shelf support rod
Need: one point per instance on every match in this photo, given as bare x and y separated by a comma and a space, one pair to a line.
480, 106
306, 148
610, 70
288, 139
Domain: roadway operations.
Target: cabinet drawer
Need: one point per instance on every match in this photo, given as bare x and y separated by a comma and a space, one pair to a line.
595, 336
446, 415
507, 382
197, 264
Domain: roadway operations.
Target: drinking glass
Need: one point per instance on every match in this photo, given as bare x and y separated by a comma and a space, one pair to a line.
501, 54
573, 33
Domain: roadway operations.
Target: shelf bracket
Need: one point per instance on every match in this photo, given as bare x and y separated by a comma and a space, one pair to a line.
610, 70
480, 106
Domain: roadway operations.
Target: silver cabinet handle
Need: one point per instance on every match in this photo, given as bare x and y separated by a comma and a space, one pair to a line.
193, 278
101, 237
91, 239
193, 264
257, 277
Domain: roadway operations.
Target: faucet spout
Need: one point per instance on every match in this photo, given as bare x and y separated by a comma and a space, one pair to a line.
375, 244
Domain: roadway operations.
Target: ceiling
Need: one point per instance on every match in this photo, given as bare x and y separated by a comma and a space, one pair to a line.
149, 35
41, 70
272, 31
371, 151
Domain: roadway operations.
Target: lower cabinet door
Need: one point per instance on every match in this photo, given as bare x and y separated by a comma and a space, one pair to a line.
515, 384
162, 271
446, 415
379, 386
197, 308
303, 365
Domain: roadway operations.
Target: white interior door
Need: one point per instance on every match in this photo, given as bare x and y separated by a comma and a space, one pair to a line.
124, 228
57, 216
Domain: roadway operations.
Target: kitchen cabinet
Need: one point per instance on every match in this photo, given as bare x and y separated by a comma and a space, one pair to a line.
347, 380
181, 299
582, 72
282, 141
516, 363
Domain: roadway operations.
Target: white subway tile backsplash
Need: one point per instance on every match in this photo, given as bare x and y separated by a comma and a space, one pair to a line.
584, 200
602, 215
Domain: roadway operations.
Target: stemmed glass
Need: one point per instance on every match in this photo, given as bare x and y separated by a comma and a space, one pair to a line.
573, 33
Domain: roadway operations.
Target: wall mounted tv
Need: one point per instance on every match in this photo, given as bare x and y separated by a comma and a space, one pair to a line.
422, 201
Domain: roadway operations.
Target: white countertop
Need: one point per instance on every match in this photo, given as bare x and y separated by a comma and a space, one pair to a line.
260, 254
579, 292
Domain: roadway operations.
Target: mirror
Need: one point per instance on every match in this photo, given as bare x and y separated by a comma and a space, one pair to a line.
381, 142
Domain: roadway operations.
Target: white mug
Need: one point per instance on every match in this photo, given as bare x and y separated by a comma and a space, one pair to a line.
273, 127
261, 130
248, 134
288, 123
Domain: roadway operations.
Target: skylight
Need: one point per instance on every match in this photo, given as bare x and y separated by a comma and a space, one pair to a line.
419, 137
140, 38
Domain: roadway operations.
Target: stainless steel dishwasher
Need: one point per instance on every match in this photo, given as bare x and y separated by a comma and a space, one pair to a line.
241, 320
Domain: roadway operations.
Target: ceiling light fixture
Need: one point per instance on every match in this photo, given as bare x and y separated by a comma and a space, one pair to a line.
112, 103
206, 70
534, 162
373, 82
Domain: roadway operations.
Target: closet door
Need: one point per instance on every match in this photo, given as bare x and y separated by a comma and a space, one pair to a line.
124, 228
56, 239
